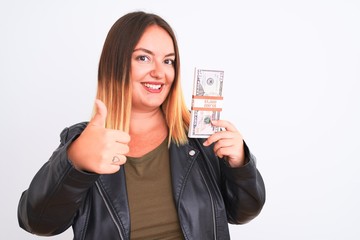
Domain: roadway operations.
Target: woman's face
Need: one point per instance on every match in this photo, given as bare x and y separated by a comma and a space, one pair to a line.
152, 69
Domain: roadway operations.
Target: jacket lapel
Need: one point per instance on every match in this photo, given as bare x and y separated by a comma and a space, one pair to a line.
114, 187
182, 159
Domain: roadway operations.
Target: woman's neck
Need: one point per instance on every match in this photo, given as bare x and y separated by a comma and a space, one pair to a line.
147, 131
142, 122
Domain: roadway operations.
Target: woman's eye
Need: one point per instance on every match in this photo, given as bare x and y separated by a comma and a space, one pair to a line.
169, 61
143, 58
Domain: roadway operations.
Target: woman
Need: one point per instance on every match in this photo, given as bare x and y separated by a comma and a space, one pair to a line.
132, 172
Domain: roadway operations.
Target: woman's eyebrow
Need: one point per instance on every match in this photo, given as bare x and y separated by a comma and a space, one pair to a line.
151, 53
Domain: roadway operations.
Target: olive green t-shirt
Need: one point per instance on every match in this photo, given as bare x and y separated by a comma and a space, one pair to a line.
152, 209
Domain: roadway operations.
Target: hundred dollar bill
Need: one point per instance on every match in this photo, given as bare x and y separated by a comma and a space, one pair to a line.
206, 102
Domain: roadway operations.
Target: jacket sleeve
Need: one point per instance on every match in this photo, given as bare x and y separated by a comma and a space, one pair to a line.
56, 192
243, 190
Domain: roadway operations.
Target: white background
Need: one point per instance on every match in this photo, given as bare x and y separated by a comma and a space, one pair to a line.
292, 81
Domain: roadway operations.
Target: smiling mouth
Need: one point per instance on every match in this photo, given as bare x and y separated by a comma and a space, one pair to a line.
153, 86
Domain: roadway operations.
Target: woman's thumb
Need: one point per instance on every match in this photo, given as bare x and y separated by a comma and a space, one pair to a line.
99, 118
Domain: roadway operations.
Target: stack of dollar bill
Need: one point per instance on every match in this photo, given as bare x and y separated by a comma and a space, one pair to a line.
206, 102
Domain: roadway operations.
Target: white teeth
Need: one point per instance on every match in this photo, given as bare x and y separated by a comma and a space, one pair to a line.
152, 86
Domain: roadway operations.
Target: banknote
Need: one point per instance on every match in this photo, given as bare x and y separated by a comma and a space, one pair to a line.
206, 102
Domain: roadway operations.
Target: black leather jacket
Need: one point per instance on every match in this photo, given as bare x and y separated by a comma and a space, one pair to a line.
207, 193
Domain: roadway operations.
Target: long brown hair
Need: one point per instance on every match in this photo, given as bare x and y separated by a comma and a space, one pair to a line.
114, 87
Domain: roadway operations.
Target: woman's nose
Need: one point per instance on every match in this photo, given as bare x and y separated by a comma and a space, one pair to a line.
158, 71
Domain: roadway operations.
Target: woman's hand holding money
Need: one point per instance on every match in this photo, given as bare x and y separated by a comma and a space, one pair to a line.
228, 143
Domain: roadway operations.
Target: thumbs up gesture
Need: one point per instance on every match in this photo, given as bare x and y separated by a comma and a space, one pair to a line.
98, 149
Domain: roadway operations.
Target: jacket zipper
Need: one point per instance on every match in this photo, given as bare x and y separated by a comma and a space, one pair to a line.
109, 210
212, 205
